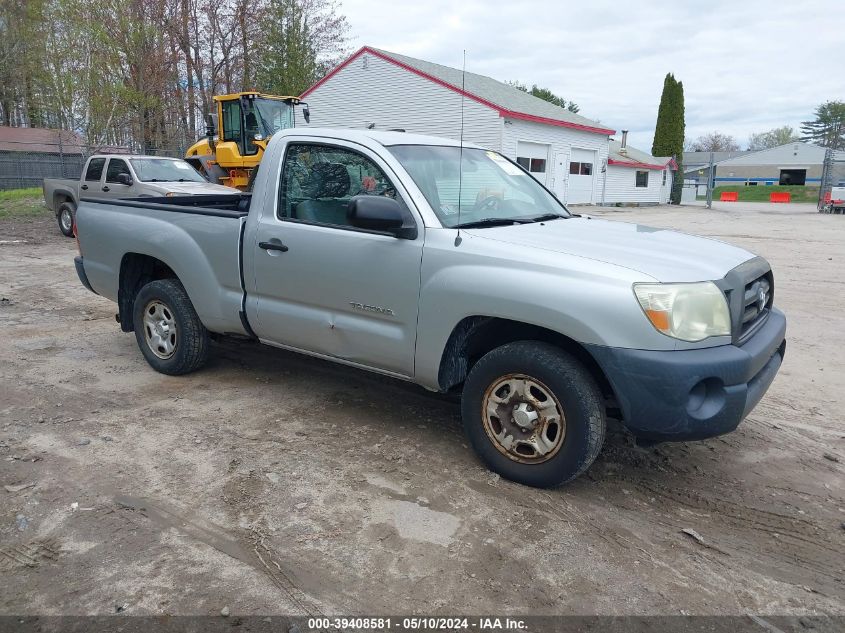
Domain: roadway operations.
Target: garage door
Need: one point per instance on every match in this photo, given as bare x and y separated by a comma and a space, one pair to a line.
582, 167
534, 157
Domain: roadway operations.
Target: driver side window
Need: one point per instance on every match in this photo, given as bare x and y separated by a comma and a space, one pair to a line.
318, 182
116, 168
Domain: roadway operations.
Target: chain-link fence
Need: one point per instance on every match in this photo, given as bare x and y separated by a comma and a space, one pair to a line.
24, 165
832, 189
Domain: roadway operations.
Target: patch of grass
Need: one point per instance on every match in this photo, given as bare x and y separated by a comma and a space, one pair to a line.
22, 203
760, 193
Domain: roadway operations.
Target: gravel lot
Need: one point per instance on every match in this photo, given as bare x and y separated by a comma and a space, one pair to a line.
270, 483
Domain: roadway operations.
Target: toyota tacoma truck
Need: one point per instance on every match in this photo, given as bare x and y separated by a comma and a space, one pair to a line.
451, 267
123, 176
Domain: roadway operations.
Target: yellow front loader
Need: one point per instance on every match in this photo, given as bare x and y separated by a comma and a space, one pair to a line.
238, 133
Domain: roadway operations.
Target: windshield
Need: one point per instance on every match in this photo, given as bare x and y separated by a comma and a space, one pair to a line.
164, 170
273, 115
491, 187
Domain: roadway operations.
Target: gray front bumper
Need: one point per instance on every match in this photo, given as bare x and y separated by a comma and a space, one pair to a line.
693, 394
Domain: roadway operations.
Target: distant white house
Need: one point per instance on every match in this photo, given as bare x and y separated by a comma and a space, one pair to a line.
636, 177
382, 90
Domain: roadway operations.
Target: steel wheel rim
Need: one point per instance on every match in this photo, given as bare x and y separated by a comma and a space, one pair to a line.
160, 329
66, 218
523, 419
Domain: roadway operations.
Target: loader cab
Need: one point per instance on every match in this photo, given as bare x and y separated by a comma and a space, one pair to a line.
249, 119
236, 140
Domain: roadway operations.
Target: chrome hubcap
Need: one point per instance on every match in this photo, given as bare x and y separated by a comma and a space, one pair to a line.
66, 219
523, 418
160, 329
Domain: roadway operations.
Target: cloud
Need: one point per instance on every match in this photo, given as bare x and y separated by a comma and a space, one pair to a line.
746, 66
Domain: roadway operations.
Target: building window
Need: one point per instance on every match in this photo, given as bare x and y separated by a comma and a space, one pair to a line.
534, 165
664, 177
642, 179
580, 169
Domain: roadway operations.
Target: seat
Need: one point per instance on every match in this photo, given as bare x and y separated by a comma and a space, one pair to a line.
326, 189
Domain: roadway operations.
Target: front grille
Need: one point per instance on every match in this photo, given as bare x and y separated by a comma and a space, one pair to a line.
756, 302
749, 289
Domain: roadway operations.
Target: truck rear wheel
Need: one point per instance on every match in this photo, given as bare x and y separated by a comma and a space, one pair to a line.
170, 334
533, 413
65, 217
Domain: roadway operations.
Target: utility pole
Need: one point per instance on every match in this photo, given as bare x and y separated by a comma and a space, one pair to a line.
711, 176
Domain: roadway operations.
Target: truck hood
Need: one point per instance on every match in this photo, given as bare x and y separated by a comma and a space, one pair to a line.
192, 188
665, 255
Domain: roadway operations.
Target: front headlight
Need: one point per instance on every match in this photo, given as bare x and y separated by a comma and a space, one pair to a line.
690, 312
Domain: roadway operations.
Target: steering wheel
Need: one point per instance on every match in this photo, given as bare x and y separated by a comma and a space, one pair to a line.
490, 203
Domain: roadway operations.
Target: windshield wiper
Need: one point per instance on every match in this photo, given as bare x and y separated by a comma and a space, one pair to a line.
548, 216
474, 224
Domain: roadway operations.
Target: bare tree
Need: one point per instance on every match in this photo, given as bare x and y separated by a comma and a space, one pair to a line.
714, 142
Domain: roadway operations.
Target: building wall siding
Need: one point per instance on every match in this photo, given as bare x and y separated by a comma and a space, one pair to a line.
621, 186
372, 90
561, 140
797, 154
766, 172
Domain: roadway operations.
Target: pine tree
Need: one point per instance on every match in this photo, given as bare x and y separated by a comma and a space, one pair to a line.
670, 128
828, 128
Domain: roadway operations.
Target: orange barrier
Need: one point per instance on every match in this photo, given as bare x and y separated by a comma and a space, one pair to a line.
780, 196
729, 196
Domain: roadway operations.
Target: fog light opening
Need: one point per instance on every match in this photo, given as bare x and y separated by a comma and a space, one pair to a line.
706, 398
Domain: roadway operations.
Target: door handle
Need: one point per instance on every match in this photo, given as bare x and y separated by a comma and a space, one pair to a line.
273, 246
105, 188
84, 187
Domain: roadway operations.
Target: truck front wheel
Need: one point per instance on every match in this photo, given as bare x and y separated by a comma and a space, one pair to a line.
65, 217
533, 413
170, 334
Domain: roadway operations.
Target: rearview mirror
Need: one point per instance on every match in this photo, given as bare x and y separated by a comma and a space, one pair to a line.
379, 213
124, 179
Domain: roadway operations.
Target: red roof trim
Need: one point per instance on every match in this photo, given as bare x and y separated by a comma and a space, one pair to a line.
625, 163
502, 111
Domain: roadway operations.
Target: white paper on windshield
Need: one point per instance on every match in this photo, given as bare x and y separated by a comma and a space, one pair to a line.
506, 166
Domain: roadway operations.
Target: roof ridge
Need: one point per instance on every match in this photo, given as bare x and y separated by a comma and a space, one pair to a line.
508, 101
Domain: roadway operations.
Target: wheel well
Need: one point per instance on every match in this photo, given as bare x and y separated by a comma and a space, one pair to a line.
60, 198
136, 271
474, 336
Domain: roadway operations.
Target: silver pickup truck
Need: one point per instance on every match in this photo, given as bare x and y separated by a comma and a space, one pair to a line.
452, 268
122, 176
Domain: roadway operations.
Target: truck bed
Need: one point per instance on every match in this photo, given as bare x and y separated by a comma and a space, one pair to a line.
198, 237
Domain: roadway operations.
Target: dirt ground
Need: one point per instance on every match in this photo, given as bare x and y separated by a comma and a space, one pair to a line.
270, 483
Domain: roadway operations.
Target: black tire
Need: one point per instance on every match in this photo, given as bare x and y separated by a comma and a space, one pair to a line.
66, 217
568, 381
190, 342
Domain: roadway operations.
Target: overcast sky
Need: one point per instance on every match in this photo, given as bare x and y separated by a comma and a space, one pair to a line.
747, 66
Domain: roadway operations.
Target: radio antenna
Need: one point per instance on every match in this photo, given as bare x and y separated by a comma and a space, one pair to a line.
458, 238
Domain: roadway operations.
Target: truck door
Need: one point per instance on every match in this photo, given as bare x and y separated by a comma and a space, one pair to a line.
93, 175
112, 186
324, 286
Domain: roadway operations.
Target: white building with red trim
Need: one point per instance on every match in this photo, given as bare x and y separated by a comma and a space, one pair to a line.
374, 88
636, 177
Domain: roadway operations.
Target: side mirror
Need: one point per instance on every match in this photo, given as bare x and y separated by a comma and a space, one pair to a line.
306, 113
124, 179
378, 213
